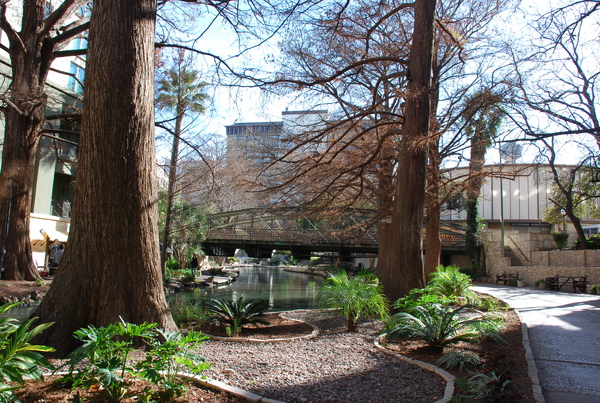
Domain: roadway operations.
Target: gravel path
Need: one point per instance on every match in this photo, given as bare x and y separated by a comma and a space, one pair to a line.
334, 367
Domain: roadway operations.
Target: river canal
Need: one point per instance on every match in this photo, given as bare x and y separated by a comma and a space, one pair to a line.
284, 290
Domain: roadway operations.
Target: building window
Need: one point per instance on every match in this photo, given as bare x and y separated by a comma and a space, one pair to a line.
76, 79
79, 43
85, 11
48, 9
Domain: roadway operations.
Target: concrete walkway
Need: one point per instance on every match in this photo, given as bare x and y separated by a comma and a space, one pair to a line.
564, 334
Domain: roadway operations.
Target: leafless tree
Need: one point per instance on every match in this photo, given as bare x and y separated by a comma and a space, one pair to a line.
41, 39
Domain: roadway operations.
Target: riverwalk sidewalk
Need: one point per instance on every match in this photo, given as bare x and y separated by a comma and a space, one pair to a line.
564, 334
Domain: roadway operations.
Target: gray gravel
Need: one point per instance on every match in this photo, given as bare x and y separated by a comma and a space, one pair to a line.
334, 367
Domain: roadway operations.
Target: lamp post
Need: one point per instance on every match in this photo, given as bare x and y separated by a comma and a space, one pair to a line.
501, 211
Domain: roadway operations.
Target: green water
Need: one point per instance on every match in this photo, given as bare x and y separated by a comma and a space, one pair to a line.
284, 290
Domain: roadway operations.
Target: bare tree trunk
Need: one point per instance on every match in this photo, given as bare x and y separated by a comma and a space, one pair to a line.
433, 242
171, 190
111, 268
402, 266
18, 163
30, 58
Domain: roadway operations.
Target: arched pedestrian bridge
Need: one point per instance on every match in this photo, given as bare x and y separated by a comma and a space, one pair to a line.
260, 231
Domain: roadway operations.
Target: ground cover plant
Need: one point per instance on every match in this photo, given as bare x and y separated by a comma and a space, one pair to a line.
103, 360
357, 296
19, 359
188, 312
433, 318
436, 325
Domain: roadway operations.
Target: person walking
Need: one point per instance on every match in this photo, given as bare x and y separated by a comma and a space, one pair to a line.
194, 263
52, 253
57, 258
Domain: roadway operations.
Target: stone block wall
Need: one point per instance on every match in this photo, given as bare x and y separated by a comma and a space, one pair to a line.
531, 274
567, 258
544, 264
527, 243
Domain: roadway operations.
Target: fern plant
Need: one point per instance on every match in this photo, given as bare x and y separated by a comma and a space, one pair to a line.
235, 314
19, 358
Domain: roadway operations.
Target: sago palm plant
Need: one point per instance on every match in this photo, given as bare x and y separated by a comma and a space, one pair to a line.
358, 296
436, 325
236, 314
449, 282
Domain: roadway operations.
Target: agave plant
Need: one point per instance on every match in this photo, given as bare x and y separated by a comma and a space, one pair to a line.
449, 282
436, 325
357, 296
236, 314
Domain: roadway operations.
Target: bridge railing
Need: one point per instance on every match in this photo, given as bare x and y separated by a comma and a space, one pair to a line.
290, 235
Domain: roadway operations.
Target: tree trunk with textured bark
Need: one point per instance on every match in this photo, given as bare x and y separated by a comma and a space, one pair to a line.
401, 266
111, 268
30, 58
171, 190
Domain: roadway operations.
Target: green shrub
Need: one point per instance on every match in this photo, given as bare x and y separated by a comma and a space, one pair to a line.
489, 304
561, 239
448, 281
459, 360
436, 325
188, 278
358, 296
187, 312
235, 314
490, 330
420, 297
171, 353
18, 358
106, 350
172, 264
487, 387
593, 242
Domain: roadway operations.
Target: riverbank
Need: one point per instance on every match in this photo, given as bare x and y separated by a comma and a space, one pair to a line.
25, 291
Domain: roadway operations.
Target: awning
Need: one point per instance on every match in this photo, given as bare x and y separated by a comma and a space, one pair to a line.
53, 234
46, 233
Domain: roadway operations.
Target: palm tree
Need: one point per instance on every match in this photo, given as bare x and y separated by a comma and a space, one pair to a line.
357, 296
482, 117
180, 91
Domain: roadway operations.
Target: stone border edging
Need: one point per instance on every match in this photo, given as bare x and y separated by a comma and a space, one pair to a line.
232, 390
312, 335
448, 377
212, 384
531, 367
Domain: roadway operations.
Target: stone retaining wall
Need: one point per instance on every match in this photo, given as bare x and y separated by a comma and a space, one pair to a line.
543, 263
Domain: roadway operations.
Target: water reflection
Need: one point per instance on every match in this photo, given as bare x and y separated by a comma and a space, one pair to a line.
284, 290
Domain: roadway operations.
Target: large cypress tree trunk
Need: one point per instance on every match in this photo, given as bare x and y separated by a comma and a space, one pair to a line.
111, 267
402, 265
30, 58
18, 163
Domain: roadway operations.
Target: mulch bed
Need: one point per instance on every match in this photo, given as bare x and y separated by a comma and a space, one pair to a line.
278, 328
497, 355
53, 391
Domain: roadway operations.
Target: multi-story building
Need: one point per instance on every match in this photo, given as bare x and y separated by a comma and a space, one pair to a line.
261, 141
56, 162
